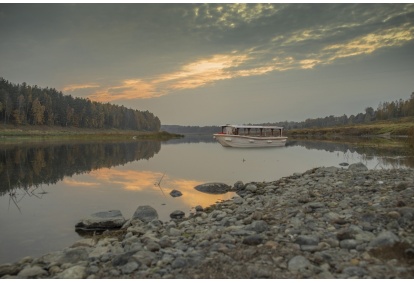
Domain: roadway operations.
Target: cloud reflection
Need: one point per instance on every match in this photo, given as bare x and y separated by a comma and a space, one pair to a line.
140, 181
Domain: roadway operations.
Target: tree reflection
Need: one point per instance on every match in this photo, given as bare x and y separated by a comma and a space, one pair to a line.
389, 153
25, 167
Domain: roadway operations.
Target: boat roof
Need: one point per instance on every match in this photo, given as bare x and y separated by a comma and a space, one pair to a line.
252, 127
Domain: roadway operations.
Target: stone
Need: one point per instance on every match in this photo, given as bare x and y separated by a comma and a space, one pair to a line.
213, 188
122, 259
129, 267
8, 269
239, 185
258, 226
385, 238
32, 272
177, 214
145, 213
111, 219
74, 272
354, 271
297, 263
144, 257
251, 188
343, 164
199, 208
357, 167
175, 193
74, 255
253, 240
348, 244
307, 240
179, 262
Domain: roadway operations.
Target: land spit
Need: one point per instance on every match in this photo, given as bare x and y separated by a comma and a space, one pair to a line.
327, 222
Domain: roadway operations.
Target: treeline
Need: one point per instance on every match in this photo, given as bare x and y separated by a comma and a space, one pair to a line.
190, 129
385, 111
21, 104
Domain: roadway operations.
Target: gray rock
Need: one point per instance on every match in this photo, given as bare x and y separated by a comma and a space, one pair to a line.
144, 257
8, 269
385, 238
153, 246
213, 188
32, 272
177, 214
179, 262
348, 244
343, 164
111, 219
239, 185
74, 272
258, 226
165, 242
354, 271
122, 259
129, 267
145, 213
175, 193
357, 167
298, 262
251, 188
307, 240
199, 208
253, 240
73, 255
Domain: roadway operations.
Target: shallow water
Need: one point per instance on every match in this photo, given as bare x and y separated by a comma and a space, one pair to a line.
47, 188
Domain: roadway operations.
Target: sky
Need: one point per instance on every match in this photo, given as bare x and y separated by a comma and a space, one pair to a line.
211, 64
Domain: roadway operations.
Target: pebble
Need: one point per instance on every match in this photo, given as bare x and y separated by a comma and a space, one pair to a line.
328, 222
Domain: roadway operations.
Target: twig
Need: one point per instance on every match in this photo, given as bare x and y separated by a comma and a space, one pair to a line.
159, 183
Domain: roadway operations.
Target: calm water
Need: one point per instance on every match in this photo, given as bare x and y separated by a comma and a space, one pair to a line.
47, 188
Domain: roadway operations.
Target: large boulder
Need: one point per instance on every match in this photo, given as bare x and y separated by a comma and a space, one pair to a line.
357, 167
100, 221
213, 188
145, 213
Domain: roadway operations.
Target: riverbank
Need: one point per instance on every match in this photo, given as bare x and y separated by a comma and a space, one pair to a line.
329, 222
387, 128
9, 132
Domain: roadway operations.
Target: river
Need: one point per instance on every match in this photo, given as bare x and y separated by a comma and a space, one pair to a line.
46, 188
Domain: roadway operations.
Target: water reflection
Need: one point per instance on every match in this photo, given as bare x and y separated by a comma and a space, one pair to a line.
47, 188
392, 153
25, 166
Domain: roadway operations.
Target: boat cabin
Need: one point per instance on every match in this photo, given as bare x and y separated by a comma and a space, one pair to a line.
253, 131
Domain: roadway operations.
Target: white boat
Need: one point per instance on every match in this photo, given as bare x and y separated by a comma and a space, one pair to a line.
250, 136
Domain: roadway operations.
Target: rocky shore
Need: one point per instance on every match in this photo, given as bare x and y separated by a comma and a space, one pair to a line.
328, 222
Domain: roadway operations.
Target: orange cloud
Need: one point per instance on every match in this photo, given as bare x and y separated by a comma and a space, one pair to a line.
79, 86
128, 89
371, 42
252, 62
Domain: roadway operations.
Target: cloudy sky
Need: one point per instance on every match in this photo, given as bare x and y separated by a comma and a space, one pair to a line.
209, 64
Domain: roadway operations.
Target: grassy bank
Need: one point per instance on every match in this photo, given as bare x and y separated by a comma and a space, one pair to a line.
8, 132
396, 127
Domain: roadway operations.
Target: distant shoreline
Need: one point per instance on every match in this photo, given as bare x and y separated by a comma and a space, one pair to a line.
8, 132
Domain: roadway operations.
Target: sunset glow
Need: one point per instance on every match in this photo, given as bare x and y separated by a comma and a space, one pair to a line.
164, 57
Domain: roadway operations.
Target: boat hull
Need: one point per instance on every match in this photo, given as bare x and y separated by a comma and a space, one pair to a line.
249, 141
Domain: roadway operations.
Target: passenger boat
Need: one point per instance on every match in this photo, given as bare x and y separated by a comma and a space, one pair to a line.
250, 136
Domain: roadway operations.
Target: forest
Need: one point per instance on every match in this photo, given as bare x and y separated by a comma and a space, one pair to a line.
385, 111
21, 104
